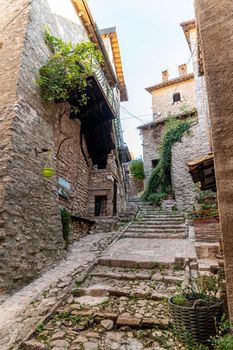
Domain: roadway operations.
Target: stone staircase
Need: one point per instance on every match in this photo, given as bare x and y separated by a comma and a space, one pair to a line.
115, 308
154, 223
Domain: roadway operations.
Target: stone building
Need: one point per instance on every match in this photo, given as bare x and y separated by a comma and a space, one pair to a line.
84, 148
181, 97
216, 39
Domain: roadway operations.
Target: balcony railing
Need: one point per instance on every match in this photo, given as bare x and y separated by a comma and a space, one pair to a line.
109, 92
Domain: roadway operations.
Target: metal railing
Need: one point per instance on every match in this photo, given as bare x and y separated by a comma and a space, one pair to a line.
109, 92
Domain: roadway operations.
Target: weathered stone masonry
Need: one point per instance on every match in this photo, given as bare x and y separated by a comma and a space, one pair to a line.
216, 33
30, 223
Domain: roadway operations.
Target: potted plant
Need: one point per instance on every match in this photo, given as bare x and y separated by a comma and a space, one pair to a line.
48, 170
197, 309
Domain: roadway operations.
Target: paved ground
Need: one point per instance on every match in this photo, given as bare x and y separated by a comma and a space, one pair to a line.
146, 252
122, 304
21, 312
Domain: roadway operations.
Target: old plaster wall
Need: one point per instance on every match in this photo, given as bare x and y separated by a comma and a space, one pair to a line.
31, 234
162, 99
216, 34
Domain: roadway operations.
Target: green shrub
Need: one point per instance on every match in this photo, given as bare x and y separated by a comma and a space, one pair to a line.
156, 198
65, 219
224, 343
136, 169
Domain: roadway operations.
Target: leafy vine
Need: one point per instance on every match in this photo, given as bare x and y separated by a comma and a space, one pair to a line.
64, 78
160, 179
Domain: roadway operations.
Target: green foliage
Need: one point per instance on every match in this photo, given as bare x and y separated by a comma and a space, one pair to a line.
203, 288
222, 341
65, 219
174, 209
179, 300
202, 195
39, 329
160, 179
136, 169
156, 198
188, 341
67, 70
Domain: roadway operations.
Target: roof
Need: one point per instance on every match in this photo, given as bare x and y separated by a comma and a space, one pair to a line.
194, 163
170, 82
163, 120
112, 34
202, 170
84, 13
187, 26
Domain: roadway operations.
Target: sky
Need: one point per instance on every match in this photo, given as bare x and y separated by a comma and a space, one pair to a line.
151, 40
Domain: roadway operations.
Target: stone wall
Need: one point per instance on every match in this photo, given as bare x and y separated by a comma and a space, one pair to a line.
135, 186
31, 233
151, 140
162, 99
207, 230
196, 143
215, 22
73, 163
101, 184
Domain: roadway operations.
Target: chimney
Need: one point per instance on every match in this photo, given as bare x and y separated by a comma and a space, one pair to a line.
165, 75
182, 70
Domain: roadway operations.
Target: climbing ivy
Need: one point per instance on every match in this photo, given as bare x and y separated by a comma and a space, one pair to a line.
67, 70
65, 219
160, 179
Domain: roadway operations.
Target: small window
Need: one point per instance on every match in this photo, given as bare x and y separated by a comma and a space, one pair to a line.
100, 205
154, 163
176, 97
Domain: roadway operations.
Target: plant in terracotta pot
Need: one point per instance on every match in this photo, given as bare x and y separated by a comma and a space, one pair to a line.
196, 309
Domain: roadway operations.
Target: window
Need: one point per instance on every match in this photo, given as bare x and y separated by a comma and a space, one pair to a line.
176, 97
100, 205
154, 162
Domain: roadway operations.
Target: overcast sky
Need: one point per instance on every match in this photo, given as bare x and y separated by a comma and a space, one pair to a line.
151, 40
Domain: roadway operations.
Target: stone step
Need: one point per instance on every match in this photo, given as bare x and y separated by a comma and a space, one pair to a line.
140, 264
157, 226
155, 218
145, 253
101, 291
158, 223
161, 214
164, 219
206, 265
155, 235
207, 250
149, 229
122, 274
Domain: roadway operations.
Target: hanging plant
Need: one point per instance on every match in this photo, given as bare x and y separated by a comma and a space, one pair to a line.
64, 78
160, 179
48, 170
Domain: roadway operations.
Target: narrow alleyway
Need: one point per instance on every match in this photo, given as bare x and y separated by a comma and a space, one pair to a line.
122, 302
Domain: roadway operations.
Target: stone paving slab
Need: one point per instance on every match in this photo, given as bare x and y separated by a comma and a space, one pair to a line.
21, 312
148, 251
